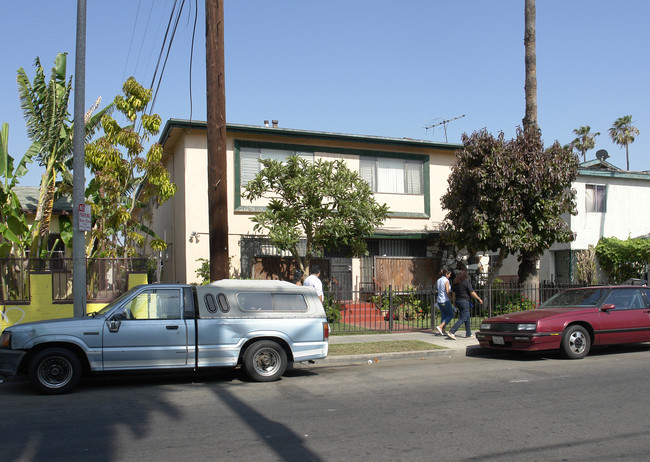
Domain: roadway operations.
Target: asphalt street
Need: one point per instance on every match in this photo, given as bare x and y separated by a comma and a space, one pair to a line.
445, 408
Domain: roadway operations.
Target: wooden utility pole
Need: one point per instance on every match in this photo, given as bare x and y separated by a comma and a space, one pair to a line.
216, 125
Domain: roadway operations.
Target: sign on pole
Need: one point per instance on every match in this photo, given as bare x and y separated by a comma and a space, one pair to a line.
85, 221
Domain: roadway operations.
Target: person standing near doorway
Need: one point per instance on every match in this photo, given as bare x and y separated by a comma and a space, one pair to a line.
444, 300
313, 280
462, 293
297, 277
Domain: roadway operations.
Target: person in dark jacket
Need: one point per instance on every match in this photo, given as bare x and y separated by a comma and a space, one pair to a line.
462, 293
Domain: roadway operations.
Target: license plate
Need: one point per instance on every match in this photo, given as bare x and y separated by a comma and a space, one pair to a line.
498, 340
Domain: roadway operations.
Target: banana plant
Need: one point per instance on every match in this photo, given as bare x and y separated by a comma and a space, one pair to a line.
13, 224
45, 109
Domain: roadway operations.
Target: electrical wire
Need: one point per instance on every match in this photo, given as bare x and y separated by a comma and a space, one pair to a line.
128, 55
171, 40
196, 14
146, 29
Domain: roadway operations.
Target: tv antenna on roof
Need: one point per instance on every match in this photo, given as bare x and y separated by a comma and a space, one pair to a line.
444, 124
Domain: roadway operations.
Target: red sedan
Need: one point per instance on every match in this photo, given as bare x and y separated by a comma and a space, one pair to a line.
574, 320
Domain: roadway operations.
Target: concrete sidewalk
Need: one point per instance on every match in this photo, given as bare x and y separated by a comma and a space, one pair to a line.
460, 347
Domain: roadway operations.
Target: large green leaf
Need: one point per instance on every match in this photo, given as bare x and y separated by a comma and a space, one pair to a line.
5, 158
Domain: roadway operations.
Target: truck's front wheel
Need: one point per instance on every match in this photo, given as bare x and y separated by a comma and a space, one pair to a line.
265, 361
55, 371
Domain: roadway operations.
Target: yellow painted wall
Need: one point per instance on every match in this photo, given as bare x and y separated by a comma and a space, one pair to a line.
41, 305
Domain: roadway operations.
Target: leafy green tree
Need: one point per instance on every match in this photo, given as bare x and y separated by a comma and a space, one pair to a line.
128, 181
324, 201
13, 224
622, 260
584, 141
623, 133
45, 108
508, 196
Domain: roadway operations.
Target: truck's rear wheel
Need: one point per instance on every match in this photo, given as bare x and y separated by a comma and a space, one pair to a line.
55, 371
265, 361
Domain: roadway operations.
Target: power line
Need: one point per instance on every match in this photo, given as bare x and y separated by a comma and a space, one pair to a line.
128, 55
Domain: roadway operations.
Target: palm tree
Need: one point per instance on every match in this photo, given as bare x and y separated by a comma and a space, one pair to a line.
622, 133
530, 87
584, 141
527, 272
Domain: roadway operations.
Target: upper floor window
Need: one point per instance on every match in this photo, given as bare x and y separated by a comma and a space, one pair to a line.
250, 160
595, 198
385, 175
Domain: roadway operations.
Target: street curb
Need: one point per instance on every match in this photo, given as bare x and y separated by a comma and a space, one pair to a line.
473, 350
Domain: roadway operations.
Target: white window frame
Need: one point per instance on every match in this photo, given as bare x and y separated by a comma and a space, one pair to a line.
393, 175
595, 198
250, 165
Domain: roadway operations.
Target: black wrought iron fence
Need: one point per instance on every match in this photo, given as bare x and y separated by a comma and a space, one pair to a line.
394, 309
106, 278
14, 279
503, 298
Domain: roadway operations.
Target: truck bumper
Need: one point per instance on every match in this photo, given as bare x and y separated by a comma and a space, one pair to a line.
9, 361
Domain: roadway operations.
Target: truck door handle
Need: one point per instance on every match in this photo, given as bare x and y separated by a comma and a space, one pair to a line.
172, 327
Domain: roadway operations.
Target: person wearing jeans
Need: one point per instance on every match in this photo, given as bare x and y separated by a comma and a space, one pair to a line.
462, 293
444, 300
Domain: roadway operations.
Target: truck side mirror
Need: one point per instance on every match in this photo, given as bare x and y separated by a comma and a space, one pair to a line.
113, 325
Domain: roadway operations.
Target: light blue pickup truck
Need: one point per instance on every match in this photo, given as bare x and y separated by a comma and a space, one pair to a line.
261, 325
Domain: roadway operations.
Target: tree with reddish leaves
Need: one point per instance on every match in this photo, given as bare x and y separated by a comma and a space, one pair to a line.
508, 196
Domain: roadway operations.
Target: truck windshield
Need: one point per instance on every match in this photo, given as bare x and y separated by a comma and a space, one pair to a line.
114, 303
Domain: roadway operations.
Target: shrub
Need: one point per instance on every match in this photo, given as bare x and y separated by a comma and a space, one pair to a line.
332, 309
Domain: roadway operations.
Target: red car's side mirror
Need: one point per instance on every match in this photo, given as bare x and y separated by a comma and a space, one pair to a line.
607, 307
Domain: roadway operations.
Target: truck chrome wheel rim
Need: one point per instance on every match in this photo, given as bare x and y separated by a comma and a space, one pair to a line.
267, 361
55, 372
577, 342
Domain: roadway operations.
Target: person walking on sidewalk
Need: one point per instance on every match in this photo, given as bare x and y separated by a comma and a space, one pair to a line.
462, 293
444, 300
313, 280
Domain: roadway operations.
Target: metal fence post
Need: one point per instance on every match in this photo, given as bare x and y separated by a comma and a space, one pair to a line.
390, 308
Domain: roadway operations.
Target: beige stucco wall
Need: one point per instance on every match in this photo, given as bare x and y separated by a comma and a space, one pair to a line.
187, 212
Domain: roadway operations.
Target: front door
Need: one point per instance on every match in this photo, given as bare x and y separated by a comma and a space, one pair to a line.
341, 277
629, 321
148, 332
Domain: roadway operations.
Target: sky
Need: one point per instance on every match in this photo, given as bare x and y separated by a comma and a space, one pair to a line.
365, 67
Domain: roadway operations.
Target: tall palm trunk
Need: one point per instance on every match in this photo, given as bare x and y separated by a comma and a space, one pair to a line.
530, 88
528, 273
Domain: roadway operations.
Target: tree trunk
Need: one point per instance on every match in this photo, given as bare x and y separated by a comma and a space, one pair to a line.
530, 118
528, 273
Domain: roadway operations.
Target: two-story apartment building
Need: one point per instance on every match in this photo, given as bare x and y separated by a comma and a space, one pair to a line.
409, 175
609, 203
